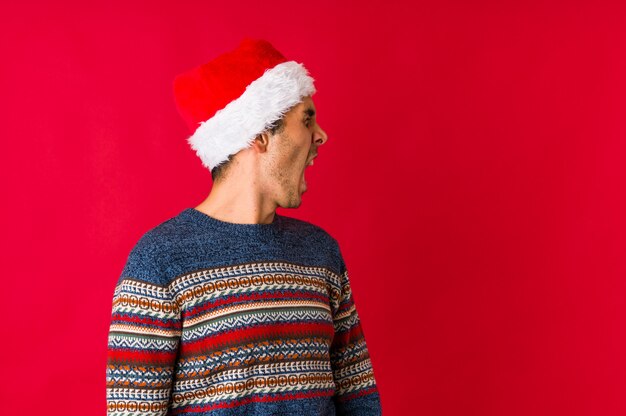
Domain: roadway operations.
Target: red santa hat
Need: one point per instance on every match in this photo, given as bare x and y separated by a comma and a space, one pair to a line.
228, 101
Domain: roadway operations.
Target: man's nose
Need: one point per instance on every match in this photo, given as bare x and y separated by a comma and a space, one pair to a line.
320, 136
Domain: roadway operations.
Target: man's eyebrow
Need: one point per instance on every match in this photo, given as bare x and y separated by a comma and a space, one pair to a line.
309, 112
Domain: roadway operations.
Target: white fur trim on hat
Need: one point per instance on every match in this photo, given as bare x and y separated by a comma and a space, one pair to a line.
265, 100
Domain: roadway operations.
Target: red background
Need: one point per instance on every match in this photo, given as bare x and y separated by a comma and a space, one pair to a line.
474, 176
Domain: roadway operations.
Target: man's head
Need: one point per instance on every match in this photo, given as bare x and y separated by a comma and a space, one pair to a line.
279, 157
230, 100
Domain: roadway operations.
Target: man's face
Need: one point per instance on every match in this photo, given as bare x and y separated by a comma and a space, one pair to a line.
290, 151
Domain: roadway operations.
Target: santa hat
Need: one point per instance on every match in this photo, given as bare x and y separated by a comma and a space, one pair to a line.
228, 101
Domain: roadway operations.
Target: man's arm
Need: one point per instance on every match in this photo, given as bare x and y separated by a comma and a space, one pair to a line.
143, 342
357, 393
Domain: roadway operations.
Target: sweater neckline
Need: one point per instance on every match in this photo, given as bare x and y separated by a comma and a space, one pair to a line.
201, 218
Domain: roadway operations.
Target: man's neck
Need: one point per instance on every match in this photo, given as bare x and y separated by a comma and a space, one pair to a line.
237, 202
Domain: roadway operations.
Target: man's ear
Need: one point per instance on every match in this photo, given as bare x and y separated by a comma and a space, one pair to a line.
261, 141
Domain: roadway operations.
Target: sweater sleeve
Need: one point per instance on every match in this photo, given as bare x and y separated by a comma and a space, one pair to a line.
143, 340
357, 392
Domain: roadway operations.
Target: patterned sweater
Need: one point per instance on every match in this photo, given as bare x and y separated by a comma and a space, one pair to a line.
217, 318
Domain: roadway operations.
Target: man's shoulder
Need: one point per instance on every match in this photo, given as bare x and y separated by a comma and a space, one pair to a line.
152, 253
307, 229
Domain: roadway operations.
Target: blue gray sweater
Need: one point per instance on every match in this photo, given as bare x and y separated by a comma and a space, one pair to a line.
217, 318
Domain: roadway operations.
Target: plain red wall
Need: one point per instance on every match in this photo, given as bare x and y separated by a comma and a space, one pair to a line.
475, 177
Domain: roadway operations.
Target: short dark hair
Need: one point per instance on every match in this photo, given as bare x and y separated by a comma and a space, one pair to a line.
219, 171
277, 126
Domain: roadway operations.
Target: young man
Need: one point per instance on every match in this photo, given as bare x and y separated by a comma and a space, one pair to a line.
229, 308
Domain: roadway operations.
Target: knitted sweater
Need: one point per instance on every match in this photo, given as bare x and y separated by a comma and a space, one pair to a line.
218, 318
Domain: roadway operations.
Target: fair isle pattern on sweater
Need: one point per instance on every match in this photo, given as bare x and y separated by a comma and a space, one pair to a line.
217, 318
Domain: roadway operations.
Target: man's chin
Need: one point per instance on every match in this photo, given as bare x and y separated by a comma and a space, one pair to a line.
294, 201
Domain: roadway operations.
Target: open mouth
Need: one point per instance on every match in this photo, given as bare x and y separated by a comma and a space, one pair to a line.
303, 179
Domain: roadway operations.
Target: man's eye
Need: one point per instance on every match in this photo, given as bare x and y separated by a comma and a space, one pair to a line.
307, 122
